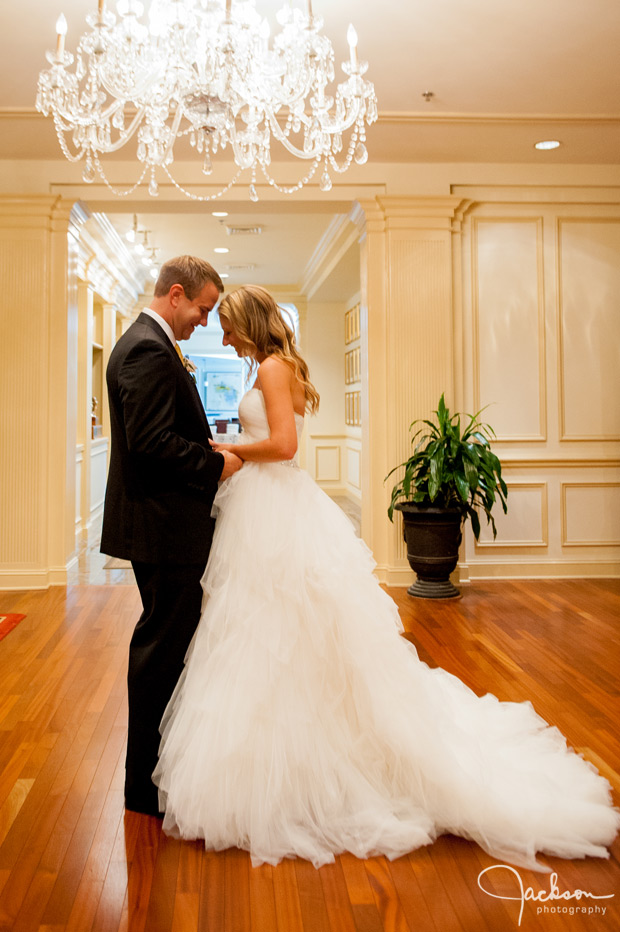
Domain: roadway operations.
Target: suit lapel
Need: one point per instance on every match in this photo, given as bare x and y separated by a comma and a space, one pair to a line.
193, 388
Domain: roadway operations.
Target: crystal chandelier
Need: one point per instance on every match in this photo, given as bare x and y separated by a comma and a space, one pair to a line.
206, 70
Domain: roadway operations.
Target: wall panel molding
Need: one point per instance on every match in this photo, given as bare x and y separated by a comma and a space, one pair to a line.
576, 462
588, 285
501, 351
602, 509
327, 463
500, 518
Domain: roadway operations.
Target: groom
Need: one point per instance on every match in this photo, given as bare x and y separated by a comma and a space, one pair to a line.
162, 480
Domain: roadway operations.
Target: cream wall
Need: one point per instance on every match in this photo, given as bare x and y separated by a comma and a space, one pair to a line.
491, 283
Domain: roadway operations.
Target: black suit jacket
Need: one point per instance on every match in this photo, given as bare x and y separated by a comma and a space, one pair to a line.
163, 474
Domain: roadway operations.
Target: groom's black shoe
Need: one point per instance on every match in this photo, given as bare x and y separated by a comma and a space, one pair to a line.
144, 808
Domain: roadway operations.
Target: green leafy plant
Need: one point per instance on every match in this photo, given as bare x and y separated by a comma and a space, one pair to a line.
452, 468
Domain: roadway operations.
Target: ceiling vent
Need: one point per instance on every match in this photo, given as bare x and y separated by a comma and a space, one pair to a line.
239, 268
244, 231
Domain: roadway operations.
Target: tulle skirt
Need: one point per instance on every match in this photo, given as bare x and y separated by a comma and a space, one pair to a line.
305, 725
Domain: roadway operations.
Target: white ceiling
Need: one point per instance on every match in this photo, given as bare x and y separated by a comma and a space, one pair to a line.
479, 56
504, 73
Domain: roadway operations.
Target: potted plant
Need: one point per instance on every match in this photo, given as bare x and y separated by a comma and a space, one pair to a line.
451, 475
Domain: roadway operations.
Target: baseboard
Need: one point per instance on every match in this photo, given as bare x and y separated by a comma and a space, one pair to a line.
331, 488
467, 573
25, 579
549, 569
36, 579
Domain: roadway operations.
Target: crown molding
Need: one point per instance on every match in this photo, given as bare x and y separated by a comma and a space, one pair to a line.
420, 117
415, 116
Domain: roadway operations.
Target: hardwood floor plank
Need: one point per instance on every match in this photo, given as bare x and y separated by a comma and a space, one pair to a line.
237, 889
12, 804
262, 899
160, 911
138, 875
286, 897
212, 914
390, 910
411, 897
435, 878
337, 902
311, 897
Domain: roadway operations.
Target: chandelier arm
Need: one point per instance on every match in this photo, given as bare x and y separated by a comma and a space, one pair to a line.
126, 136
353, 117
241, 160
281, 137
83, 121
180, 112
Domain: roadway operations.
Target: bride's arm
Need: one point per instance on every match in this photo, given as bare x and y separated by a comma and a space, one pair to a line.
275, 380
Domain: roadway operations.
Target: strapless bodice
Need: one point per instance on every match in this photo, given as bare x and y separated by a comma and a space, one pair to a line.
253, 418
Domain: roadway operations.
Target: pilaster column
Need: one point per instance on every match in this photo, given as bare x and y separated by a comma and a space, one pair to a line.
38, 384
408, 347
85, 392
109, 339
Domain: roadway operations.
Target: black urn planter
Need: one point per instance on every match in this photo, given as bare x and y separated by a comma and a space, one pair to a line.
433, 537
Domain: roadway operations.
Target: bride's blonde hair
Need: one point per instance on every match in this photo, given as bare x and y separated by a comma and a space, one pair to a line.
257, 321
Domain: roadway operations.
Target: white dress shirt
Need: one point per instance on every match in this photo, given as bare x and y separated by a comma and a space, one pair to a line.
165, 326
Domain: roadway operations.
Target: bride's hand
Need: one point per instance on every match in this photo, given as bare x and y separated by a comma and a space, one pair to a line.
221, 447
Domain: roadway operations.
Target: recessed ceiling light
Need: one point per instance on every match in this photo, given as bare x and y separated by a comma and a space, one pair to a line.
547, 144
224, 275
219, 213
220, 249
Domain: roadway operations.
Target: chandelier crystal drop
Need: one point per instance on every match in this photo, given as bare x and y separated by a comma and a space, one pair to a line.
206, 71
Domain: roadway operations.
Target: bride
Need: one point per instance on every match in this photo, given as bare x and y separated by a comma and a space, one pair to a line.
303, 723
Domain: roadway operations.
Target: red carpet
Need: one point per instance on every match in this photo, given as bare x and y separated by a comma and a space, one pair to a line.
8, 622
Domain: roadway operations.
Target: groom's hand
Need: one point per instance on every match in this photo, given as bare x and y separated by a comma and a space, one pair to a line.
231, 464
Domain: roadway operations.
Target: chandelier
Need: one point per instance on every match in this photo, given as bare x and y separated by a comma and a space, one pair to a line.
206, 71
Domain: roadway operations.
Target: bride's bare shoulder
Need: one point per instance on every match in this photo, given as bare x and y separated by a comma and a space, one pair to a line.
275, 367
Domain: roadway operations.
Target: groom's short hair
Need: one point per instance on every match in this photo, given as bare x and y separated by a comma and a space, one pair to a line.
190, 272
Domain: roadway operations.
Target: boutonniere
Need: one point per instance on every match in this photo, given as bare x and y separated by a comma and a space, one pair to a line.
189, 367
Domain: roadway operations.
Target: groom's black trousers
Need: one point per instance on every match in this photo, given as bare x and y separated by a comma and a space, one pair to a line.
171, 599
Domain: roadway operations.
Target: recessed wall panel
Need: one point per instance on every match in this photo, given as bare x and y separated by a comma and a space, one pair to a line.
328, 463
526, 522
353, 467
509, 326
589, 292
590, 514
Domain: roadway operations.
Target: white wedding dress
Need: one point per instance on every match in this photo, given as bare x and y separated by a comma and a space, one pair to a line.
305, 725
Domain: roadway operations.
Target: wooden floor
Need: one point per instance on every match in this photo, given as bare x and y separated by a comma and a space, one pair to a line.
72, 859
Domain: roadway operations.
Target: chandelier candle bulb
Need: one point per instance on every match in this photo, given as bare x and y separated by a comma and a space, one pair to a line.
61, 32
352, 40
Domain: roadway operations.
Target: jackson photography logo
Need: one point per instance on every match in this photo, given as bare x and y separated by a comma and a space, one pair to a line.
543, 899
